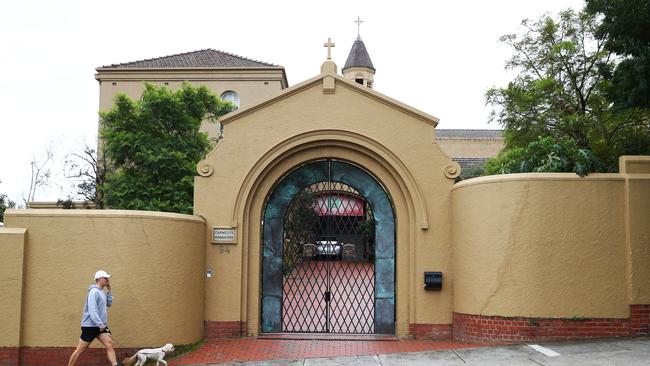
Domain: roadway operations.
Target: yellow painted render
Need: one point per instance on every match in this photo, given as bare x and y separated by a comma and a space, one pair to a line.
634, 164
157, 263
354, 73
252, 85
305, 123
637, 169
470, 148
12, 247
639, 239
540, 245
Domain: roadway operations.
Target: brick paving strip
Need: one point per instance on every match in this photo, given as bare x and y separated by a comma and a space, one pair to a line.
215, 351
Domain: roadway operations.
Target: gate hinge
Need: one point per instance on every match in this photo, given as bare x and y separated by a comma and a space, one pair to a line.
328, 296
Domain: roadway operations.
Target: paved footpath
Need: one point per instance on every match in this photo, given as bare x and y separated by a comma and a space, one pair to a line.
616, 351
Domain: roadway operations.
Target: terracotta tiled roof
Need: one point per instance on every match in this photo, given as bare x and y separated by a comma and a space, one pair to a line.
470, 167
207, 58
470, 162
468, 134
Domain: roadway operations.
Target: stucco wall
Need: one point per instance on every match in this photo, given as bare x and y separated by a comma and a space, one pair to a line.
252, 86
470, 148
637, 179
540, 245
639, 236
12, 246
157, 263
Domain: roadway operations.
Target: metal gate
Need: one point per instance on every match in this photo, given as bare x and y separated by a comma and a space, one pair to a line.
328, 252
328, 260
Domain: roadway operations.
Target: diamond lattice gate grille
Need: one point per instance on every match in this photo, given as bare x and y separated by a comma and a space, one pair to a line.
328, 253
328, 261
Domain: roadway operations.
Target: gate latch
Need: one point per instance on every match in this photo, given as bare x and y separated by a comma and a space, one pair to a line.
327, 296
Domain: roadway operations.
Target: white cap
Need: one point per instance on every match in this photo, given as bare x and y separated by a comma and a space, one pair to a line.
100, 274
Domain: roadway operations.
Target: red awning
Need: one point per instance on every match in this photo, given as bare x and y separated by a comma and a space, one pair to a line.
339, 205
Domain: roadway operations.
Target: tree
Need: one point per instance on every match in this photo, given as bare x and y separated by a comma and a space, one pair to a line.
89, 169
556, 113
66, 204
5, 203
300, 227
40, 174
543, 155
154, 144
625, 28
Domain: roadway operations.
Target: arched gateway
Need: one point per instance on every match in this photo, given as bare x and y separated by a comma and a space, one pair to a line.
302, 196
328, 257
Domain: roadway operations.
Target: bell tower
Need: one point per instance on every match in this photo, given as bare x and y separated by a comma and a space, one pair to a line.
358, 66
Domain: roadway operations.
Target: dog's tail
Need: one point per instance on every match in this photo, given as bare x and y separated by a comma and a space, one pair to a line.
129, 361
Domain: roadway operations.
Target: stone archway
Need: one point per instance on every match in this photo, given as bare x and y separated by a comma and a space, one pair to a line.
277, 276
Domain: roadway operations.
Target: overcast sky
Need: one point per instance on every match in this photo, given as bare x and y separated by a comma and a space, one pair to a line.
437, 56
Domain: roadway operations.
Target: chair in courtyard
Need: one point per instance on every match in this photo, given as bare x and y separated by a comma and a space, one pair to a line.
349, 251
308, 250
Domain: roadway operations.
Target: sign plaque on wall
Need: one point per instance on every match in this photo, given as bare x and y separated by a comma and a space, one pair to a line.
224, 235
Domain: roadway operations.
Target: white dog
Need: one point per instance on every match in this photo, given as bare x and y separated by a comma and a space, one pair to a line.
157, 354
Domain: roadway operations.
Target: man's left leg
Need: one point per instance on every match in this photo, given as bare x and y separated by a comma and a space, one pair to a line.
107, 341
81, 348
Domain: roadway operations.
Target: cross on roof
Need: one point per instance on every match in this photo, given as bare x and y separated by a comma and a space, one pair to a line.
329, 46
358, 21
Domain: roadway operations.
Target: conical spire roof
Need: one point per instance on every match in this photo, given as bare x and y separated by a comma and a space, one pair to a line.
358, 56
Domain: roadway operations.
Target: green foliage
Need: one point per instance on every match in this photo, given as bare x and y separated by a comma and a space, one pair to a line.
66, 204
303, 220
557, 113
300, 225
154, 144
578, 319
367, 229
533, 322
5, 203
471, 171
543, 155
624, 27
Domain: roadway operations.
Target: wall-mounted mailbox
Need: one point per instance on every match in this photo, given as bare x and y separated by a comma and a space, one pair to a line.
432, 281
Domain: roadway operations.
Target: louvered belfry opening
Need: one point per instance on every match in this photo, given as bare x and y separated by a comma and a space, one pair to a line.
328, 261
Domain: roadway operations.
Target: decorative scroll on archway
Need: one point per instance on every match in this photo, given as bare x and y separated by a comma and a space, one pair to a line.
280, 309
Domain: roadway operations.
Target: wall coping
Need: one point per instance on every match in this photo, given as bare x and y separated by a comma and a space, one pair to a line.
558, 177
12, 231
152, 215
630, 164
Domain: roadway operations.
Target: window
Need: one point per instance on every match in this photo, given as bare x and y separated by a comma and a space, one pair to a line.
359, 81
232, 97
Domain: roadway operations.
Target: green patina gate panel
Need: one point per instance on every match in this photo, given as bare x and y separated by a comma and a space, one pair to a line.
272, 252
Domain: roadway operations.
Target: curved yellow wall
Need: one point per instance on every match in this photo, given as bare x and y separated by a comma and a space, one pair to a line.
157, 263
540, 245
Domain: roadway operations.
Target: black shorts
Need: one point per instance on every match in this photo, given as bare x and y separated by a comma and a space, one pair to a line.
88, 334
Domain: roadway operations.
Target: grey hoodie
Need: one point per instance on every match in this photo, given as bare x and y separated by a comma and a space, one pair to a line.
95, 313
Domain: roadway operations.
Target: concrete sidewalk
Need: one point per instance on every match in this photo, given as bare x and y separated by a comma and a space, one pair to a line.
621, 351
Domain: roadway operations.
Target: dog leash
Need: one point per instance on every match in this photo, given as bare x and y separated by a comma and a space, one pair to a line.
118, 343
125, 353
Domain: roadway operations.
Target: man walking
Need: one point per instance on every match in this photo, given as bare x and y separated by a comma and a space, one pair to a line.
94, 321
